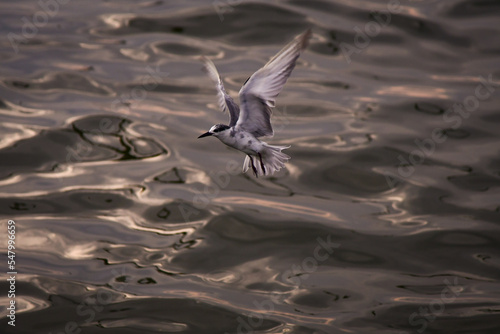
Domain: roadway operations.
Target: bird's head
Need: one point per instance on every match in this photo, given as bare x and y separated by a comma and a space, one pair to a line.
215, 130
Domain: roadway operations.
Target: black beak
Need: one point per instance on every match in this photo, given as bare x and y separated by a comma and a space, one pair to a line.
206, 134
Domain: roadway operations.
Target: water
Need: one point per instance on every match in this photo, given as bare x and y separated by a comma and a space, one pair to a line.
385, 221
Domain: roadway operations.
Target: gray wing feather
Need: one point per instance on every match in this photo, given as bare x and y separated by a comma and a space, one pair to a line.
226, 102
258, 95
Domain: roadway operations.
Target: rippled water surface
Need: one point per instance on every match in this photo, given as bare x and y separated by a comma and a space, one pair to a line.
386, 219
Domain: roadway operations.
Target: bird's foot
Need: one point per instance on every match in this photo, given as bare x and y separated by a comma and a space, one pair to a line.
253, 167
262, 164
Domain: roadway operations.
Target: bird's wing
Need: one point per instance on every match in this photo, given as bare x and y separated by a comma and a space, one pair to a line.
258, 94
226, 102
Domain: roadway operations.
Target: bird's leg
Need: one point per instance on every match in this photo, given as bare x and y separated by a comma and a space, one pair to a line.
262, 164
253, 166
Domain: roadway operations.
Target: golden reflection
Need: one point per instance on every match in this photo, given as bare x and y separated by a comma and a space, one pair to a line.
144, 324
130, 221
22, 111
24, 304
91, 46
415, 91
49, 242
19, 132
134, 54
117, 20
232, 303
275, 205
83, 251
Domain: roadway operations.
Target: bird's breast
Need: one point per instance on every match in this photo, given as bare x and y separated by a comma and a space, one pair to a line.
242, 141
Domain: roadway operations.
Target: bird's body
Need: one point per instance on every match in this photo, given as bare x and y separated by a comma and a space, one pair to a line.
257, 97
241, 140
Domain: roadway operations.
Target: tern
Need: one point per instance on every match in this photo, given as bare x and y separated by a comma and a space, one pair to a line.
253, 118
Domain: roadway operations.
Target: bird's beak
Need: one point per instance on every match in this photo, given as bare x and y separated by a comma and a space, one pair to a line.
206, 134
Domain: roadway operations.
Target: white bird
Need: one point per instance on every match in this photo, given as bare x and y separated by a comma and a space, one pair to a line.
257, 97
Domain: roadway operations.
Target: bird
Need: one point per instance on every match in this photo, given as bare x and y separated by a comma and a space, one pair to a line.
252, 119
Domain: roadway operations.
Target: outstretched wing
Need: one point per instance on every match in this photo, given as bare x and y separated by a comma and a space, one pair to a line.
226, 103
258, 94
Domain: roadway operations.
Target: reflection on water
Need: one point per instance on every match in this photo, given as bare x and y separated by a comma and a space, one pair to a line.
385, 220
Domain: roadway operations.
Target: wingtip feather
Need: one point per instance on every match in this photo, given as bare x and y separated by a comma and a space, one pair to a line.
304, 38
210, 69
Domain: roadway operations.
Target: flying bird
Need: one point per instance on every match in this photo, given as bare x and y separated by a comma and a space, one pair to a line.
252, 119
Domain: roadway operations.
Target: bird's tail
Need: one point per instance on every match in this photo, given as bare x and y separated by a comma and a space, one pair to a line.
271, 160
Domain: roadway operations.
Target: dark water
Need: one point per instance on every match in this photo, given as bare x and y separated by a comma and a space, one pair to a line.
385, 221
